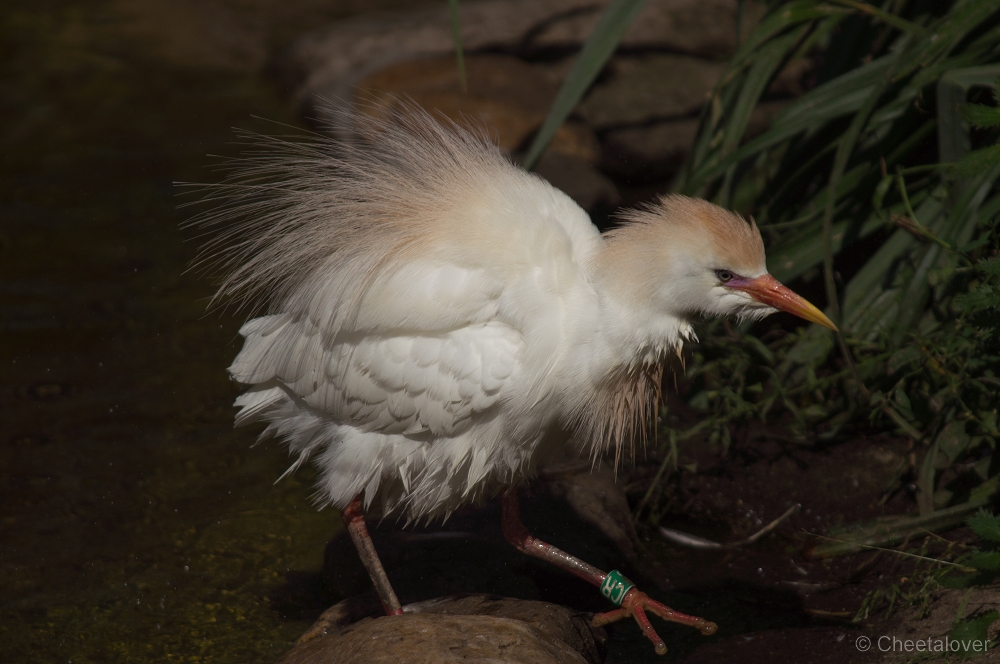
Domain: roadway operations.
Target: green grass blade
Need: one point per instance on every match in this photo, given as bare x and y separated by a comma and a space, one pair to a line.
947, 33
793, 258
761, 72
953, 223
985, 525
953, 137
595, 53
976, 161
964, 216
980, 116
845, 148
764, 67
731, 99
969, 77
456, 33
784, 17
899, 529
913, 296
841, 96
875, 312
891, 19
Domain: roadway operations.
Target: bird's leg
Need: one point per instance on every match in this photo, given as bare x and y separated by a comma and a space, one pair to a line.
612, 585
354, 518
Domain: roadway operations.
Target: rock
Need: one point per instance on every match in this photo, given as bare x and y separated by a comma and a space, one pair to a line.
469, 555
789, 81
706, 28
597, 499
343, 571
234, 35
330, 61
657, 151
651, 152
650, 87
381, 58
508, 96
578, 179
761, 118
475, 628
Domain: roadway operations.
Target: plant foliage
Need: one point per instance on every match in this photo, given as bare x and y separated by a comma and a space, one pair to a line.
595, 53
877, 186
980, 565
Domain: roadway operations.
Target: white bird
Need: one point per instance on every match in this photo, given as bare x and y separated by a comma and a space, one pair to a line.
440, 321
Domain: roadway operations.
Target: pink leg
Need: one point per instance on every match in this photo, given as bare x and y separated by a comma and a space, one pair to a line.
355, 519
634, 604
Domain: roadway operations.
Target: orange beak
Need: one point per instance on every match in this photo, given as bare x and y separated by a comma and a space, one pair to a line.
768, 290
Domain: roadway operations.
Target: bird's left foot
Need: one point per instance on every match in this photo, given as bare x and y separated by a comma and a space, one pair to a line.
636, 604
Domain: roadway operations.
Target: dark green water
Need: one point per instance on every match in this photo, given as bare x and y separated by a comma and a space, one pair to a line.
137, 525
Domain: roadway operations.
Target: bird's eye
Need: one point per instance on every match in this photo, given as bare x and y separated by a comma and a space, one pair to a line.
724, 275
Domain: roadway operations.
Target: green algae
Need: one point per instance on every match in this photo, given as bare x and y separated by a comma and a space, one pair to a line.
202, 597
136, 524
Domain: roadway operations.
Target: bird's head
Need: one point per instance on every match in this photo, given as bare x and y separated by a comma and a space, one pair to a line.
694, 257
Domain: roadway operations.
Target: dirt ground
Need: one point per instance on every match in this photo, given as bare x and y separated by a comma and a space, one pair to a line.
771, 601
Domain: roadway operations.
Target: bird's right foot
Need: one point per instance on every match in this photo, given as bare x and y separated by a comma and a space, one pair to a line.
636, 603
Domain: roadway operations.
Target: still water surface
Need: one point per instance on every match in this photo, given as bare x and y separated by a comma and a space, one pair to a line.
137, 525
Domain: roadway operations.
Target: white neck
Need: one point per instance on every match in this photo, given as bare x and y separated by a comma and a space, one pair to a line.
628, 329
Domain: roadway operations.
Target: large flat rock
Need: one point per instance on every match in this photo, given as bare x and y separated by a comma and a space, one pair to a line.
471, 629
651, 87
330, 61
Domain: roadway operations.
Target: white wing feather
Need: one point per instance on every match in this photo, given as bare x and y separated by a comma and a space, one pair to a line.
411, 369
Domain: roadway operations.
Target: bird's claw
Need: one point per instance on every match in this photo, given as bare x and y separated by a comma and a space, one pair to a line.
636, 603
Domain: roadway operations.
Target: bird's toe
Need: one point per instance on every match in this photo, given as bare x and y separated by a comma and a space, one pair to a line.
636, 604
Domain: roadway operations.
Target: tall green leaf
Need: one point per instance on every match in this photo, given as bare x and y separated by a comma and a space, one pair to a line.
596, 51
456, 34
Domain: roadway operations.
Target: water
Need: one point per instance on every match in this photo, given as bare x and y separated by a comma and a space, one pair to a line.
137, 525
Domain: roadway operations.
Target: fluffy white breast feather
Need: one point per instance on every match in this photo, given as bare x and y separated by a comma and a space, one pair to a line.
439, 318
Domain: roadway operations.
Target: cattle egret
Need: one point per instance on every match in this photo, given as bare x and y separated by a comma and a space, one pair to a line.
440, 321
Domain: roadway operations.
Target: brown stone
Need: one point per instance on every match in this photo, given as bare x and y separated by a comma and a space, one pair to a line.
509, 97
650, 151
705, 28
330, 61
577, 178
597, 498
762, 116
789, 81
476, 628
650, 87
658, 150
234, 35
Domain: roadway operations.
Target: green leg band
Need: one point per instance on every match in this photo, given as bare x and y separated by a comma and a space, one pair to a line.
615, 586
